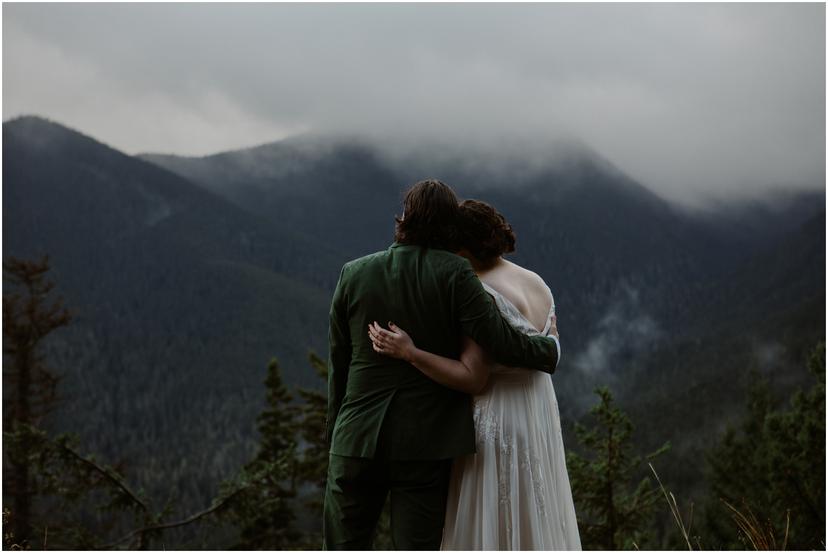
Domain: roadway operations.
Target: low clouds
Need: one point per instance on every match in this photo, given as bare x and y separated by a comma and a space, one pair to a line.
44, 79
624, 329
690, 99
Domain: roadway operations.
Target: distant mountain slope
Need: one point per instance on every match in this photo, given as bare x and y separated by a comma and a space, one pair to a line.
773, 288
340, 193
130, 198
766, 317
180, 297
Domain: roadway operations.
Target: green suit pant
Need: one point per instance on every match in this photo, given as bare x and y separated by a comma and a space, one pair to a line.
356, 492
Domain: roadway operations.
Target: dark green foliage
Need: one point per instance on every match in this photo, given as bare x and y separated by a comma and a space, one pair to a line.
313, 457
772, 465
45, 481
78, 500
29, 386
282, 489
263, 511
29, 316
613, 502
277, 421
52, 489
55, 496
796, 456
83, 503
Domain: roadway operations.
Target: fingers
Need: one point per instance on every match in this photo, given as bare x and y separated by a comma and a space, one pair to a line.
380, 347
379, 332
383, 332
381, 339
376, 340
396, 329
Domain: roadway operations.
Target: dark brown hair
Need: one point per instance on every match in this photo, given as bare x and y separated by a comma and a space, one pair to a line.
430, 214
484, 232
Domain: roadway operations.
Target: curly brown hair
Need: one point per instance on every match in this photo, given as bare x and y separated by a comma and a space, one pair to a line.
484, 231
430, 212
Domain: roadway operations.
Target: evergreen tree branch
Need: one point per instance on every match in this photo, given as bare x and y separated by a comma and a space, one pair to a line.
183, 522
108, 475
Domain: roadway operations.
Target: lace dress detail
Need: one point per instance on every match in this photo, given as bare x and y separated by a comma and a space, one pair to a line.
514, 493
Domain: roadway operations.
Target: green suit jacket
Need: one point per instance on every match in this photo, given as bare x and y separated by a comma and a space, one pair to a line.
436, 297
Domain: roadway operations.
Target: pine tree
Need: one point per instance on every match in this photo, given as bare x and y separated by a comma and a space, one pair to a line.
313, 459
264, 510
771, 468
796, 459
614, 507
52, 488
30, 386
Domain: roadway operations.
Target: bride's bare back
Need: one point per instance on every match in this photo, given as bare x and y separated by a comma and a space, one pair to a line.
525, 289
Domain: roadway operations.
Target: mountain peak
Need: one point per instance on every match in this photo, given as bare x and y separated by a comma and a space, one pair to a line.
30, 123
42, 132
29, 119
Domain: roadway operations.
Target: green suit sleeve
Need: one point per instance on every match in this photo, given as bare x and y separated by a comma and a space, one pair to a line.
339, 353
480, 319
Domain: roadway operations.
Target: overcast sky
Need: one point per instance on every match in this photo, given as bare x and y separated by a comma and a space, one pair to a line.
687, 98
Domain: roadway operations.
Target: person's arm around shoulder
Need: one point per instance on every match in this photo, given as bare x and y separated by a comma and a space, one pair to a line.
339, 352
481, 320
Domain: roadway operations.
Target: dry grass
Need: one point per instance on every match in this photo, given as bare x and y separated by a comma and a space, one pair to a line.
760, 536
674, 509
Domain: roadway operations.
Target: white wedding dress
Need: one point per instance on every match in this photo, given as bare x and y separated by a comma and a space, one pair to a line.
514, 493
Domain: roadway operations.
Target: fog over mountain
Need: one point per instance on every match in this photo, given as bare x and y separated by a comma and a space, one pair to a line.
695, 101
